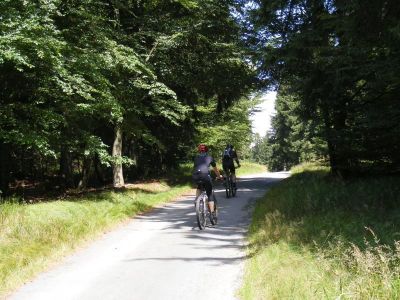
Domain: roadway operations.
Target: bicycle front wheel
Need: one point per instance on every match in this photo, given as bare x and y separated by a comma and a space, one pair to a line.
201, 210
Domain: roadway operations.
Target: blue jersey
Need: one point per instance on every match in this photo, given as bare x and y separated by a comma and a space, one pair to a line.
202, 163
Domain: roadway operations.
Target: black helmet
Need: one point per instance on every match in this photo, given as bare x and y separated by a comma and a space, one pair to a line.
229, 146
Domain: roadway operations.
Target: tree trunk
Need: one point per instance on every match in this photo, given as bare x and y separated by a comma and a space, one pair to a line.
4, 168
330, 141
66, 172
87, 164
97, 168
118, 176
337, 160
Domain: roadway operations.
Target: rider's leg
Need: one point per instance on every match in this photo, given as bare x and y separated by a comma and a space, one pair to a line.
208, 186
211, 205
198, 191
225, 168
215, 200
234, 177
232, 169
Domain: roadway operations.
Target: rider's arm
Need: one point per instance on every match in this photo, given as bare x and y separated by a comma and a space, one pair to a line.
217, 172
214, 165
236, 157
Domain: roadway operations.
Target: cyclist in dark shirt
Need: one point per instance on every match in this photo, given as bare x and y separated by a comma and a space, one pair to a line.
228, 156
201, 172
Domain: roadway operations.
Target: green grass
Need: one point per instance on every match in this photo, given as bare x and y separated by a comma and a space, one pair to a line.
316, 237
34, 236
250, 168
246, 168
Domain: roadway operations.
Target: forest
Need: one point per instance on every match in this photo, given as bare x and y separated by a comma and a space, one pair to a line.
96, 92
336, 67
103, 104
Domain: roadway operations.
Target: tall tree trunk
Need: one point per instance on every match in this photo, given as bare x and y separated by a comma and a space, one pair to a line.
4, 168
98, 171
334, 138
66, 172
87, 164
118, 176
333, 161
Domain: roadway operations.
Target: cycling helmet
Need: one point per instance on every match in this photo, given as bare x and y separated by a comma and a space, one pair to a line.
229, 146
202, 148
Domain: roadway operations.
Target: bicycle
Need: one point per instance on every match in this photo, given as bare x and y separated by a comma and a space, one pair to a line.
230, 188
203, 210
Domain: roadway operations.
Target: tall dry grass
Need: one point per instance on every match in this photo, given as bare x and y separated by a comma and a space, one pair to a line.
317, 237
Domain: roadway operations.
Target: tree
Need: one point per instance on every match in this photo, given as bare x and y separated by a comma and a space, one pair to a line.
294, 138
327, 54
92, 86
261, 150
232, 126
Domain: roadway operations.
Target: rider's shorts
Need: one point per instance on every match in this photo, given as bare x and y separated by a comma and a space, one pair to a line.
229, 166
199, 178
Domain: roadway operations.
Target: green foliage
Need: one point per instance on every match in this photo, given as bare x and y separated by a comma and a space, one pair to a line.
249, 168
30, 49
293, 139
71, 71
260, 152
339, 60
231, 126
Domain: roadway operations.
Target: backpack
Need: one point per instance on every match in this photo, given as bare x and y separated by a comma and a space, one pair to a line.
227, 153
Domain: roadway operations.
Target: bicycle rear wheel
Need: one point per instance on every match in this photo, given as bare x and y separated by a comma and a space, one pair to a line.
228, 187
233, 189
201, 210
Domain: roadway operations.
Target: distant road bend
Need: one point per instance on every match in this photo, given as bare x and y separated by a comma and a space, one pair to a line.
161, 254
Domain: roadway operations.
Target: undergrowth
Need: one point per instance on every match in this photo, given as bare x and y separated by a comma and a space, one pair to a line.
317, 237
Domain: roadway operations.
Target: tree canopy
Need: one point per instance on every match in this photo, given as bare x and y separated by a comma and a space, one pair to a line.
338, 63
86, 85
100, 90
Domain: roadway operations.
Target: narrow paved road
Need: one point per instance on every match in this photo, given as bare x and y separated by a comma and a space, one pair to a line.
161, 255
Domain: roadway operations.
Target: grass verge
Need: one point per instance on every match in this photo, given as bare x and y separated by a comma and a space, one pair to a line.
32, 237
316, 237
247, 168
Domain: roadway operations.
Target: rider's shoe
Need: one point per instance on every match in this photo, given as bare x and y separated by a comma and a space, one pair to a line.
214, 214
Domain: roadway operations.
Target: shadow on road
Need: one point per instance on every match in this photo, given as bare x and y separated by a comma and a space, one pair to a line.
233, 220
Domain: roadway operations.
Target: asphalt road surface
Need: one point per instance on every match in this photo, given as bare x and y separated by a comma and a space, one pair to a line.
161, 254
